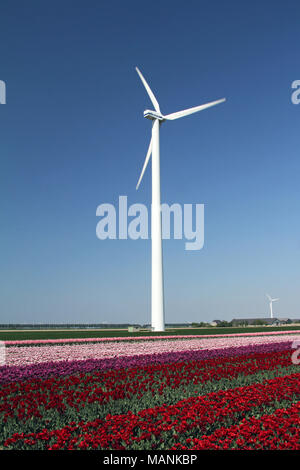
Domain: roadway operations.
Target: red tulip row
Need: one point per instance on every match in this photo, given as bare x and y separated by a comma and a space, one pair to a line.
165, 424
23, 400
278, 431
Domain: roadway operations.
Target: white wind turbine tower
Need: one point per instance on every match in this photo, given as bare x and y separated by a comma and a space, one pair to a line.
271, 304
157, 118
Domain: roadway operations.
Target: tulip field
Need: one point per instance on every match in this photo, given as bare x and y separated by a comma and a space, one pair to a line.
152, 393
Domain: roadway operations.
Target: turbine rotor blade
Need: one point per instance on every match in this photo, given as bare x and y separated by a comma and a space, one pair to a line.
269, 297
149, 91
145, 164
186, 112
274, 300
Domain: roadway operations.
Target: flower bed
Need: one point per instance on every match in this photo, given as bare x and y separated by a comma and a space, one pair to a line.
165, 423
137, 359
278, 431
185, 394
33, 397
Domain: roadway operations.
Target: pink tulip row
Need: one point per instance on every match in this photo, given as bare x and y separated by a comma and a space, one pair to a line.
138, 338
24, 355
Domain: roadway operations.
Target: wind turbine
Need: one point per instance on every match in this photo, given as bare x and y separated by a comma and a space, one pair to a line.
271, 304
157, 118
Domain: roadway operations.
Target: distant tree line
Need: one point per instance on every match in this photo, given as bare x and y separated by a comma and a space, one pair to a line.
224, 323
218, 323
209, 325
23, 326
42, 326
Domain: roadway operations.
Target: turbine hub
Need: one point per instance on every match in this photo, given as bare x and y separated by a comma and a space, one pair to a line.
153, 115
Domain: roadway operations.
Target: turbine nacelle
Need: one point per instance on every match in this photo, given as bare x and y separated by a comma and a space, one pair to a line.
148, 114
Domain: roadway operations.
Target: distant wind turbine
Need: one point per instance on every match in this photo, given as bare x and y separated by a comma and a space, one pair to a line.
271, 304
157, 118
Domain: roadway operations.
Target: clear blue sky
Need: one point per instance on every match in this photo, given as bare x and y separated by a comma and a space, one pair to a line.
72, 136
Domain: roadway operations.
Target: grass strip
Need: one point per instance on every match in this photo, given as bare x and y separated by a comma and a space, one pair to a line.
61, 334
